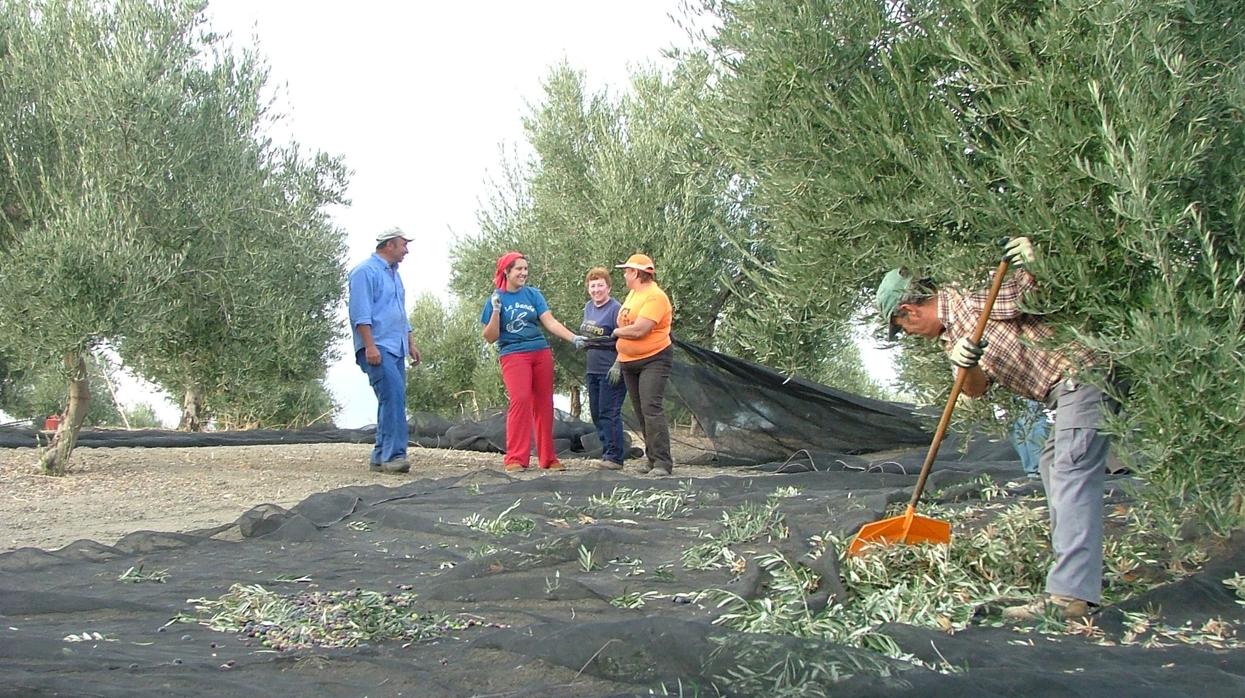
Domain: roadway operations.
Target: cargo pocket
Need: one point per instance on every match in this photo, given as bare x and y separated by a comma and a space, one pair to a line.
1077, 422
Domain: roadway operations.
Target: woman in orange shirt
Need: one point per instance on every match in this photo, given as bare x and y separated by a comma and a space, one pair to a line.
646, 356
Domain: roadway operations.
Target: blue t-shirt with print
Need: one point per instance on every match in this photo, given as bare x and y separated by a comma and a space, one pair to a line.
520, 320
600, 322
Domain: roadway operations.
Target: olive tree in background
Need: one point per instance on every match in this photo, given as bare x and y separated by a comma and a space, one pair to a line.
459, 374
257, 325
250, 322
118, 117
42, 394
80, 265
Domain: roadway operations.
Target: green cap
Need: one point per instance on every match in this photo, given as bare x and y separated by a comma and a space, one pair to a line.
893, 288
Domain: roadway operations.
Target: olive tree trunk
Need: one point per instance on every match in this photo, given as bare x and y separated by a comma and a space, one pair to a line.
54, 459
192, 410
577, 402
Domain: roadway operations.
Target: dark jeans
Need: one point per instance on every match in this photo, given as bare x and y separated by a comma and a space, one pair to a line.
605, 403
646, 381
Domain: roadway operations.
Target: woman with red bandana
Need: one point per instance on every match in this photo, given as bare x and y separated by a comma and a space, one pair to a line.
513, 317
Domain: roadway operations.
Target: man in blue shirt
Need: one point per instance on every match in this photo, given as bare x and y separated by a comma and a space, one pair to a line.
382, 341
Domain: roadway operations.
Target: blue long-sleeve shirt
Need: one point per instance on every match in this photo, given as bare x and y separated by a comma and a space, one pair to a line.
378, 299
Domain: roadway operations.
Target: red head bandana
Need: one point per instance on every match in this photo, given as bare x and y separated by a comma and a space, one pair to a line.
499, 279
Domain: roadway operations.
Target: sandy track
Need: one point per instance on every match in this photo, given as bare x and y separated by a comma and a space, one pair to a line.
110, 492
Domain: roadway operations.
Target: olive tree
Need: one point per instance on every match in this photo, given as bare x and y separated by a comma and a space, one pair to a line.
871, 134
458, 375
87, 88
135, 188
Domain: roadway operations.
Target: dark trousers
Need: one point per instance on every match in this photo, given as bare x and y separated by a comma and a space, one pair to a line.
646, 381
605, 403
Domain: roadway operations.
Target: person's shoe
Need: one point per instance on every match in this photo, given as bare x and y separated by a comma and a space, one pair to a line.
645, 467
604, 464
373, 466
515, 467
1033, 476
660, 470
397, 465
1065, 607
556, 465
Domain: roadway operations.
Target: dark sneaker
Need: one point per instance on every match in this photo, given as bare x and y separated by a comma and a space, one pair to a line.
608, 465
397, 465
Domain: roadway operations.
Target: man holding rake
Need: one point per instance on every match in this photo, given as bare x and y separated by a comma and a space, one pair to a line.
1014, 353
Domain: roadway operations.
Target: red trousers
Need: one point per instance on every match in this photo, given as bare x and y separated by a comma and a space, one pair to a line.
528, 376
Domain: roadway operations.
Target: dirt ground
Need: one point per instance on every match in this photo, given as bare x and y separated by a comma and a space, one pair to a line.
110, 492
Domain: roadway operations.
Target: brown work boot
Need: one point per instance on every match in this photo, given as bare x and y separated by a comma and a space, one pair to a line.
1065, 607
608, 465
515, 467
556, 465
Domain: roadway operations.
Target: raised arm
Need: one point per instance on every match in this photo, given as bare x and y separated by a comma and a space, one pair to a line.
492, 328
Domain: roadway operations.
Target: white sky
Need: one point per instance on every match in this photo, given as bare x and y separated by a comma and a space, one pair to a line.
422, 98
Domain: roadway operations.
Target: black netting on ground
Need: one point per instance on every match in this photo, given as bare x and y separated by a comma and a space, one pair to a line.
557, 586
11, 437
572, 437
723, 411
751, 414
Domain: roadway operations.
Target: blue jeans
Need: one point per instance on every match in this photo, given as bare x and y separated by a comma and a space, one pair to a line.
1029, 434
605, 403
389, 383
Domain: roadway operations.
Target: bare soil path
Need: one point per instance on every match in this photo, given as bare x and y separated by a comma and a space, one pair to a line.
110, 492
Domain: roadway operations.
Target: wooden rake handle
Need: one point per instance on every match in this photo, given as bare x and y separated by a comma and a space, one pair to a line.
960, 377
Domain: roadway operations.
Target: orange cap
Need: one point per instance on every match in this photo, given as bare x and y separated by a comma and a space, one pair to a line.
638, 261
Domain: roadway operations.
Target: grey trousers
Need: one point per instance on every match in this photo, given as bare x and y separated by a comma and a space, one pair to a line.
1073, 468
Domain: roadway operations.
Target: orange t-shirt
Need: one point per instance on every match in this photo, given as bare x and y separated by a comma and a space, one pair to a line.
651, 303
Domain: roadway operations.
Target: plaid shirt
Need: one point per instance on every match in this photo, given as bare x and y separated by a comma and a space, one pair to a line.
1012, 358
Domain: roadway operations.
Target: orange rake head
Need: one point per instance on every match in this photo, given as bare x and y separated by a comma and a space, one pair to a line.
908, 529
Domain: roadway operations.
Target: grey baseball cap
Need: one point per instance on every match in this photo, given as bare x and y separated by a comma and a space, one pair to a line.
392, 233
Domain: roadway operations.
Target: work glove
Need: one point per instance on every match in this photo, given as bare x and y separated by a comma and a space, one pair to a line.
579, 341
1018, 251
496, 300
615, 373
965, 354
